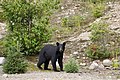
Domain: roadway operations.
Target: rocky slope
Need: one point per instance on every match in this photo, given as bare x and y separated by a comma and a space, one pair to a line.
79, 42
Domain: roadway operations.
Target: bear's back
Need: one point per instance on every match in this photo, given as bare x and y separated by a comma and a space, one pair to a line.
50, 49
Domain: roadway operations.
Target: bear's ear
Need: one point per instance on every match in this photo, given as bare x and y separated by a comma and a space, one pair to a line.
64, 43
57, 43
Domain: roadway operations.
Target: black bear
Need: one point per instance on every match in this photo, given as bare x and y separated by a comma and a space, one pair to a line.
53, 53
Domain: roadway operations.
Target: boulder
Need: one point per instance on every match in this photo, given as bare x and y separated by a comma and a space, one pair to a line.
107, 63
2, 59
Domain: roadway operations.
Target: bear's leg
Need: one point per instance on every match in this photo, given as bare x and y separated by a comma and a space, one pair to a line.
46, 65
40, 62
39, 65
60, 63
54, 64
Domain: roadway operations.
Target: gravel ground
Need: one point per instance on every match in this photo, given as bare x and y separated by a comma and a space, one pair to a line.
83, 74
49, 75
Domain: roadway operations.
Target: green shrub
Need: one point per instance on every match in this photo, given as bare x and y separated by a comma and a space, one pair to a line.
14, 63
71, 66
100, 33
115, 64
98, 10
64, 22
96, 52
100, 37
73, 21
28, 23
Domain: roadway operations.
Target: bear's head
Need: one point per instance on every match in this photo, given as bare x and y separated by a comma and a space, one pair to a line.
61, 47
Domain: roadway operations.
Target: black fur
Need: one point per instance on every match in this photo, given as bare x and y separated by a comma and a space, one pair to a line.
53, 53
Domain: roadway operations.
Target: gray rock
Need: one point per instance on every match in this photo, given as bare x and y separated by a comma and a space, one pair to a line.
93, 66
114, 27
97, 64
107, 63
62, 7
83, 64
85, 36
82, 37
100, 65
78, 57
2, 59
75, 53
84, 57
5, 75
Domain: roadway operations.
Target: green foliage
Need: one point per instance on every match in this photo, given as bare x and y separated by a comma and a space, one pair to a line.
71, 66
100, 32
115, 42
100, 36
32, 67
64, 22
116, 64
15, 63
116, 52
98, 10
28, 23
73, 21
97, 52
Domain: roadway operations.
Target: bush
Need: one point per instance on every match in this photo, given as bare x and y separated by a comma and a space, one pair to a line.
100, 33
96, 52
71, 66
14, 63
100, 37
73, 21
98, 10
28, 23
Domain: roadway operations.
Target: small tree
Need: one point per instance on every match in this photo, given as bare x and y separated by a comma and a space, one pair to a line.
14, 63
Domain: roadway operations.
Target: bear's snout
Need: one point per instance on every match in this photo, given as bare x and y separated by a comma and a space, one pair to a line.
61, 50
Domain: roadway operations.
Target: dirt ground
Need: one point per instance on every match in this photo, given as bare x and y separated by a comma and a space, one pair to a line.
51, 75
